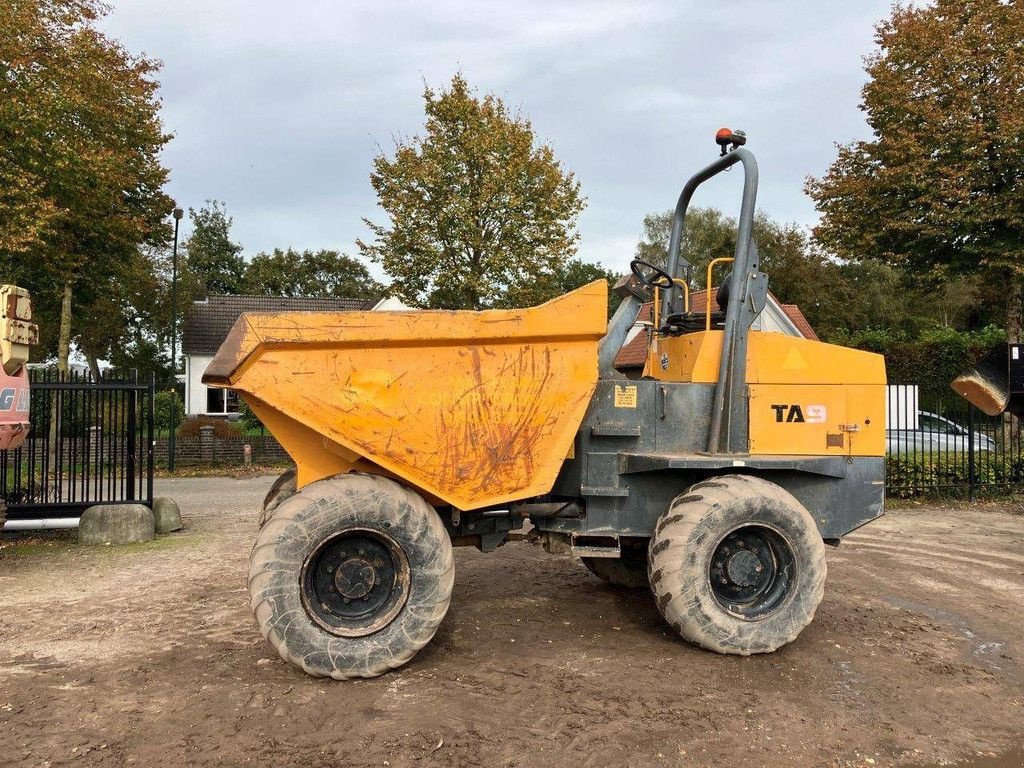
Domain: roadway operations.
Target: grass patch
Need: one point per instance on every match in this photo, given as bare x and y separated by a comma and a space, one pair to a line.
39, 543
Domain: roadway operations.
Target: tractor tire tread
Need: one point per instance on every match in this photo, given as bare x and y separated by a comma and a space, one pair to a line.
309, 516
283, 488
678, 557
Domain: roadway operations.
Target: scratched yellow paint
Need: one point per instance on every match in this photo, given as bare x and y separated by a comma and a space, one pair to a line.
471, 408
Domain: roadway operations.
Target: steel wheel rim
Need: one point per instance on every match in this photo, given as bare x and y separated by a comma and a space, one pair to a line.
752, 571
355, 582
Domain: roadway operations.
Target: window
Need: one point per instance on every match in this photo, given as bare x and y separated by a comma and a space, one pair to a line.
222, 401
214, 400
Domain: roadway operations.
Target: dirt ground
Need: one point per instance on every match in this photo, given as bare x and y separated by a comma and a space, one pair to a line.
148, 656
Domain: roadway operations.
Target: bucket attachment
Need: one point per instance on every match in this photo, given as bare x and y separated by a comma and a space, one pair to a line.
996, 383
472, 409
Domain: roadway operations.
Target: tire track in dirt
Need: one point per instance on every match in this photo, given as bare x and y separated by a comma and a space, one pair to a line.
152, 658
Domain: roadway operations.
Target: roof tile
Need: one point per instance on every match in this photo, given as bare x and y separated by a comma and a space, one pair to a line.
207, 322
794, 313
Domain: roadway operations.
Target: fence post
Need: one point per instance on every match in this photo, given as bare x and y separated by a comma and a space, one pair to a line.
150, 436
970, 453
133, 436
171, 435
206, 443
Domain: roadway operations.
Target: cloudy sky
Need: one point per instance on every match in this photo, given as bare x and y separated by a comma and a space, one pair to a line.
278, 108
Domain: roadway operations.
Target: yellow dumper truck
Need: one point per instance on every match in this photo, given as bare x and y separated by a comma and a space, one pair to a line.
716, 478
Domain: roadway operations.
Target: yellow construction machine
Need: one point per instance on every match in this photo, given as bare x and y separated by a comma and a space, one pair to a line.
715, 479
17, 334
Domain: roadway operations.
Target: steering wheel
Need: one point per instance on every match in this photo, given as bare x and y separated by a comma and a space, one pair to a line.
650, 275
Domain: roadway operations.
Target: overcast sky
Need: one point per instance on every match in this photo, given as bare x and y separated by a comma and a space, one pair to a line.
278, 108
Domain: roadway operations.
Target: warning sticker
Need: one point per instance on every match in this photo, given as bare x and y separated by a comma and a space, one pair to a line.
625, 396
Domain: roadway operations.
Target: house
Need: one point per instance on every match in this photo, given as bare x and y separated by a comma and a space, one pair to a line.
776, 317
207, 324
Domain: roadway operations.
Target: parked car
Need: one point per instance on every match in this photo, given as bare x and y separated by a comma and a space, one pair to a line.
936, 434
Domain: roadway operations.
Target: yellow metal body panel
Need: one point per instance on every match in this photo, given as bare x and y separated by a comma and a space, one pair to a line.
471, 408
806, 397
817, 419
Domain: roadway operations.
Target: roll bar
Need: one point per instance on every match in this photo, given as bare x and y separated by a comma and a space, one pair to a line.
746, 223
730, 409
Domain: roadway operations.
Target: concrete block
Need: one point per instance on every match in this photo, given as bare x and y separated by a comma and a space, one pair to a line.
116, 524
167, 514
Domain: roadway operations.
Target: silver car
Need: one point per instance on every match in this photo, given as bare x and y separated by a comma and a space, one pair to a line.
936, 434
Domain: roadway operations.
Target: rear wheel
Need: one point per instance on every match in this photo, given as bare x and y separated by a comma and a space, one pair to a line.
284, 487
737, 565
351, 576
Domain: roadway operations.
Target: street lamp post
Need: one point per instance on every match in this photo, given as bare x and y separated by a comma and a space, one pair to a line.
178, 213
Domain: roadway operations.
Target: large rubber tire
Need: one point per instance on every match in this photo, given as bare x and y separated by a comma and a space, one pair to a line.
305, 523
628, 572
688, 542
283, 488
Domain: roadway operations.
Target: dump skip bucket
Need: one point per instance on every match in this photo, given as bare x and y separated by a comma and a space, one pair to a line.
471, 408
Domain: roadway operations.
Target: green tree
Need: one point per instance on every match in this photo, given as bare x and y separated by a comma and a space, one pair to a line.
214, 263
866, 297
937, 189
168, 411
476, 207
309, 273
80, 139
839, 298
127, 319
709, 234
796, 271
248, 418
565, 277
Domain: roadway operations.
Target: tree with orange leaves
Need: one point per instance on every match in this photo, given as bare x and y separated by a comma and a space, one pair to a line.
80, 175
939, 187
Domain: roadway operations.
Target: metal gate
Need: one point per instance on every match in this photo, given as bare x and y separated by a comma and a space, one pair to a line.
91, 442
938, 443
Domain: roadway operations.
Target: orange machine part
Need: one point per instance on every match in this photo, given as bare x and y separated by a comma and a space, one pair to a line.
472, 408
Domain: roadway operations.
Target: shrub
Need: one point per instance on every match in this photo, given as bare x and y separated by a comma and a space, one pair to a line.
907, 475
168, 410
249, 420
933, 359
221, 427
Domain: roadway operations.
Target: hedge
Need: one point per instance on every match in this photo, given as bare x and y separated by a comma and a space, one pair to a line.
932, 360
908, 475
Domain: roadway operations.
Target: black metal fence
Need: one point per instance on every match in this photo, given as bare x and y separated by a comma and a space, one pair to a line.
940, 444
90, 442
93, 441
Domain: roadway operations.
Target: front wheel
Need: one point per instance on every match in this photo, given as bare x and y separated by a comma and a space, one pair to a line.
737, 565
351, 576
